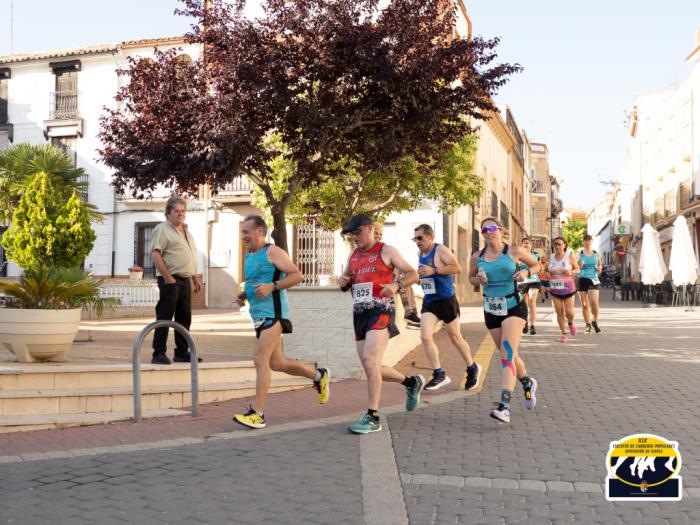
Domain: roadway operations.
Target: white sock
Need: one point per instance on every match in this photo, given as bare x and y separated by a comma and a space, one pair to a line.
318, 376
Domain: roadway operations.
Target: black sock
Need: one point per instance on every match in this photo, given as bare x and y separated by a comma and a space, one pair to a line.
505, 398
526, 382
438, 372
374, 414
471, 369
409, 382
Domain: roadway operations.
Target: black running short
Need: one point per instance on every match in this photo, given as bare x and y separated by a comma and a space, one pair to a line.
495, 321
268, 322
526, 287
446, 310
375, 319
585, 284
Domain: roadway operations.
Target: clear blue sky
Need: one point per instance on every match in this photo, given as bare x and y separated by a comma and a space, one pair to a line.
584, 63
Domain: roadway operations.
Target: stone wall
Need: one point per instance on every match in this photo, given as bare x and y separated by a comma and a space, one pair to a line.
323, 331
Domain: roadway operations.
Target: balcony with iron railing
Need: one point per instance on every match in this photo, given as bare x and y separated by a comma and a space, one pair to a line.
539, 186
685, 193
239, 184
64, 105
669, 203
658, 214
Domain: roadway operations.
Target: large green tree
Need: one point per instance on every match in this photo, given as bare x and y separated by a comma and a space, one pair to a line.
348, 84
346, 188
20, 163
573, 232
48, 230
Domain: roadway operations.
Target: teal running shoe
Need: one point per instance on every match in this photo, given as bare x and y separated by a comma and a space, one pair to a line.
413, 393
365, 425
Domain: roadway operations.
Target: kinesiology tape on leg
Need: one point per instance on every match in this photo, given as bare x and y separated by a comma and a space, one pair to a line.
508, 362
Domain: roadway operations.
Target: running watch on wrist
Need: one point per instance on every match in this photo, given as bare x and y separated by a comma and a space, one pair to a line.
274, 283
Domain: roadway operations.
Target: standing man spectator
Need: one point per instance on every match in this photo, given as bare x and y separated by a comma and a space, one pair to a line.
175, 258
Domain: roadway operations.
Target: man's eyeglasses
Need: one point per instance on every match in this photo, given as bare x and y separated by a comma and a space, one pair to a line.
558, 244
489, 229
417, 238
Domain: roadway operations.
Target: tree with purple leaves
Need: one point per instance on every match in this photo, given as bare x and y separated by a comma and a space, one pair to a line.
335, 81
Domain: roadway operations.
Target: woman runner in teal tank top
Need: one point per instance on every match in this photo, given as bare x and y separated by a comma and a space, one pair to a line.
591, 265
505, 312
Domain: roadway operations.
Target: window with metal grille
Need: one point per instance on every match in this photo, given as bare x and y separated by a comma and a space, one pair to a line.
143, 237
314, 253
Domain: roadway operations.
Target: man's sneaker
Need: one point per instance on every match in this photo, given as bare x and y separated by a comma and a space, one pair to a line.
323, 385
411, 324
160, 359
501, 414
472, 379
250, 419
532, 330
588, 329
530, 400
525, 328
572, 328
365, 425
185, 358
413, 317
413, 393
595, 327
564, 338
438, 382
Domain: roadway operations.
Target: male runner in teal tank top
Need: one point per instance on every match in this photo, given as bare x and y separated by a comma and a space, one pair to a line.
268, 272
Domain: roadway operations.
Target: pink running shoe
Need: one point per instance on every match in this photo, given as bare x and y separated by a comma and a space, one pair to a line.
572, 329
564, 338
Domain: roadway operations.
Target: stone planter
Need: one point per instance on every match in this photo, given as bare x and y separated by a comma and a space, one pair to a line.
38, 335
135, 276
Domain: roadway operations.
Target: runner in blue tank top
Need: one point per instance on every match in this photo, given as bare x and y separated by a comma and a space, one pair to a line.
268, 272
505, 312
437, 267
591, 265
530, 287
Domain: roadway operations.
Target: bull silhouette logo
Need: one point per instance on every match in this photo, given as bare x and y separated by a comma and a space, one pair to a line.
643, 467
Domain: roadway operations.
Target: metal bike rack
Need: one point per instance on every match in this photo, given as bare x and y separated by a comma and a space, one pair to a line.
137, 365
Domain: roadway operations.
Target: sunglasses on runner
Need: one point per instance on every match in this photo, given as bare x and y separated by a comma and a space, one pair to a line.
489, 229
417, 238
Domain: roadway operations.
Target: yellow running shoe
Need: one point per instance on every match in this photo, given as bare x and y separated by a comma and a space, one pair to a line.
250, 419
323, 385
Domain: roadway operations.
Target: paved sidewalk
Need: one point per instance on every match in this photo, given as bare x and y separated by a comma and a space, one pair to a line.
447, 462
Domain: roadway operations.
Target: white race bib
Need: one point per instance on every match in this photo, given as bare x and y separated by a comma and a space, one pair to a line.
362, 293
428, 285
258, 322
496, 305
595, 281
557, 284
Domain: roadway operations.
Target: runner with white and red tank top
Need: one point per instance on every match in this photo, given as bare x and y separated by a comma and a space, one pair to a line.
562, 268
369, 274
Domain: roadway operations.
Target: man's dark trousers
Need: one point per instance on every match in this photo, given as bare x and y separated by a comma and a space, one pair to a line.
175, 300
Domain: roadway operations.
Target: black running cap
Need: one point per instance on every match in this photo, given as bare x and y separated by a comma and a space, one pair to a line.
356, 221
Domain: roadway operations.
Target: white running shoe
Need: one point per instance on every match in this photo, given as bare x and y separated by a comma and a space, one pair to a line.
502, 416
529, 399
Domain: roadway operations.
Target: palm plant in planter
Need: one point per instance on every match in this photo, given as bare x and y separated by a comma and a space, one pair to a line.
42, 311
49, 236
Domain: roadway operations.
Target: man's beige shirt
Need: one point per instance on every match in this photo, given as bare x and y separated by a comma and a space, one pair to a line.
179, 253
